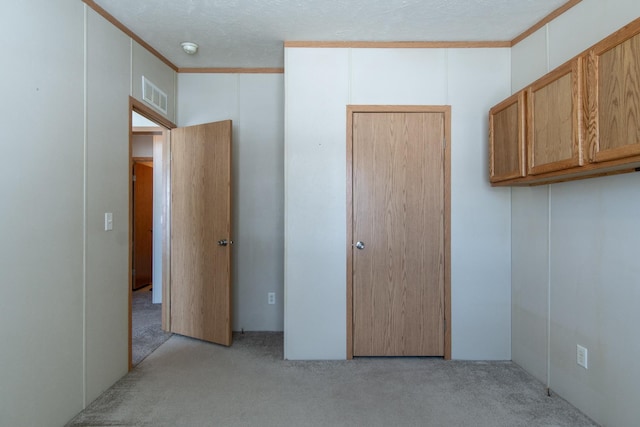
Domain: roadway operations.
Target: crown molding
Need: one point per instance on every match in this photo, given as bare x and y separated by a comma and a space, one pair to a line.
398, 45
232, 70
544, 21
106, 15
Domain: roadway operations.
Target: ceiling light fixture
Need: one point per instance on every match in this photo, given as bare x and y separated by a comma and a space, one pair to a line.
189, 47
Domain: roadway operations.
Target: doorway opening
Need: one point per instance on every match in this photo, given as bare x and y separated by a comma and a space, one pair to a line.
148, 254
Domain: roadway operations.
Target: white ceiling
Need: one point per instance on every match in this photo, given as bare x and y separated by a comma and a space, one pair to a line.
250, 33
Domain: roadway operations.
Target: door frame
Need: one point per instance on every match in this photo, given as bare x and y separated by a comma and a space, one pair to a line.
446, 111
149, 113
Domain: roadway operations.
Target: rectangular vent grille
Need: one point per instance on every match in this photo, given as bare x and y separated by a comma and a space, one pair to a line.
153, 95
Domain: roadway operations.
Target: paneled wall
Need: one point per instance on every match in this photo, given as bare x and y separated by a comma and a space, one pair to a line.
319, 83
107, 189
41, 212
575, 266
147, 65
65, 157
255, 103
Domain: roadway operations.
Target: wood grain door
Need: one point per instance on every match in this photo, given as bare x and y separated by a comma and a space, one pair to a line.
507, 139
613, 89
555, 122
200, 289
142, 224
399, 237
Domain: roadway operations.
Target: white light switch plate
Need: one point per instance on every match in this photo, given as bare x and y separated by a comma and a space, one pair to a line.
108, 221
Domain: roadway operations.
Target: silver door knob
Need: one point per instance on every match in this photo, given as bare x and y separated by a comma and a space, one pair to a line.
360, 245
223, 242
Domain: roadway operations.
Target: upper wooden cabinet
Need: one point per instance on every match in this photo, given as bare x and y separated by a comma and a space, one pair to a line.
613, 90
581, 120
554, 120
506, 139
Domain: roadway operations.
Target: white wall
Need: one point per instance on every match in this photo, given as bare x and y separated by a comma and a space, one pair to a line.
146, 64
575, 264
319, 84
142, 146
317, 91
114, 64
158, 219
41, 198
64, 163
530, 278
107, 189
140, 121
254, 102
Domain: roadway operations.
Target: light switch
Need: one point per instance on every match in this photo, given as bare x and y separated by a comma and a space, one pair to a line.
108, 221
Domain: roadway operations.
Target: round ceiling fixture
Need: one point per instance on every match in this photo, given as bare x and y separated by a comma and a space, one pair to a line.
189, 47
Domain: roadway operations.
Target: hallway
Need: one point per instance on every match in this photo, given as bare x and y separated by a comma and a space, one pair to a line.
147, 334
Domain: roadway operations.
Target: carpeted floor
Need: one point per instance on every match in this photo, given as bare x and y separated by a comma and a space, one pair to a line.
146, 321
191, 383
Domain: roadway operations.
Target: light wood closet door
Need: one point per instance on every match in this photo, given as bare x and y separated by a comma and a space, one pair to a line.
200, 290
399, 217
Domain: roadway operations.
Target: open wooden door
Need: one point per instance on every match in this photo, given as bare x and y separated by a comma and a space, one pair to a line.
142, 224
200, 284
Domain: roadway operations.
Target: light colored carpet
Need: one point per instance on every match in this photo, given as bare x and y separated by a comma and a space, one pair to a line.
146, 325
191, 383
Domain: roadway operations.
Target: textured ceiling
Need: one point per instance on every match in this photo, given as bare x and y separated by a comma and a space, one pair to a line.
250, 33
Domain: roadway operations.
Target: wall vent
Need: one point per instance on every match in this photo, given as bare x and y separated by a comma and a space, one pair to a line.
153, 95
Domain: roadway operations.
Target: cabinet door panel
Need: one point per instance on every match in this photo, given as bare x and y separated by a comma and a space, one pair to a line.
555, 120
614, 99
506, 139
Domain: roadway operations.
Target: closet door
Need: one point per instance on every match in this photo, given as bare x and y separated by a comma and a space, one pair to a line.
399, 238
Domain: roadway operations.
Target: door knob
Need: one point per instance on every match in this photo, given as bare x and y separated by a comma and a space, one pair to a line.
360, 245
223, 242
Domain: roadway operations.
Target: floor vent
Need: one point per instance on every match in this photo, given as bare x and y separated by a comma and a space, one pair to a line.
153, 95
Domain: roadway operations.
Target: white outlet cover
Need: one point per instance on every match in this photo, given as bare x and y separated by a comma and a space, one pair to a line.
582, 357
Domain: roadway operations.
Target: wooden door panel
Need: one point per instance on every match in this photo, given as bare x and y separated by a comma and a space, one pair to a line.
142, 225
507, 139
398, 212
614, 99
200, 217
555, 120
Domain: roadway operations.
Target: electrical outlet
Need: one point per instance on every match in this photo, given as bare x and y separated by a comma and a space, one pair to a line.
271, 297
582, 356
